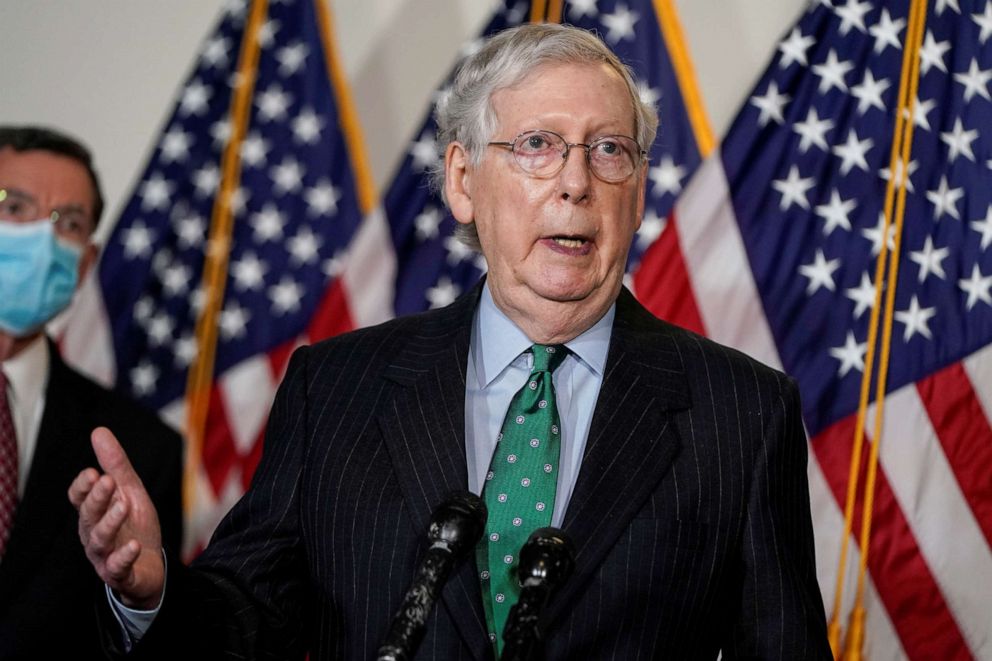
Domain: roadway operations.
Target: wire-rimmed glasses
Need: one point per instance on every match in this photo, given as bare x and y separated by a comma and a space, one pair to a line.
70, 223
612, 158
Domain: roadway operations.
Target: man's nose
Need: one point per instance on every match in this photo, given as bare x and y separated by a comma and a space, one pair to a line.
575, 177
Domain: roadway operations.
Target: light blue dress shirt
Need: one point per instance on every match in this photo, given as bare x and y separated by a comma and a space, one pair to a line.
498, 368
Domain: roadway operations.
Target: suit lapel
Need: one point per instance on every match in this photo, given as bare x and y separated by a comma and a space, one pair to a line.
632, 440
58, 456
424, 429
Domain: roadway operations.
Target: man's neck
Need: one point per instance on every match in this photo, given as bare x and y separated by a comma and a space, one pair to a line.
10, 346
554, 322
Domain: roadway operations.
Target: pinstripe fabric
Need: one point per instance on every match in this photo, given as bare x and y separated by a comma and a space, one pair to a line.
690, 513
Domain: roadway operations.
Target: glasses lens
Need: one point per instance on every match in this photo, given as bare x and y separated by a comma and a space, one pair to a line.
539, 152
72, 225
614, 157
17, 207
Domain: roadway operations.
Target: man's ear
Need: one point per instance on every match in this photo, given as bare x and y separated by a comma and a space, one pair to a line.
86, 260
457, 183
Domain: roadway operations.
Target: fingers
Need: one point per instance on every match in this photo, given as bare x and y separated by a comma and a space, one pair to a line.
102, 537
95, 503
113, 460
81, 486
118, 526
120, 564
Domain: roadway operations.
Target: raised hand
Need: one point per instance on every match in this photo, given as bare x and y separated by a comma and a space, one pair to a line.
118, 525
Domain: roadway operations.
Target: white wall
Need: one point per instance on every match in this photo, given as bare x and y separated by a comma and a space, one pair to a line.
107, 70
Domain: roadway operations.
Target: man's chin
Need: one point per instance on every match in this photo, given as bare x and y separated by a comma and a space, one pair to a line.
564, 292
554, 294
567, 286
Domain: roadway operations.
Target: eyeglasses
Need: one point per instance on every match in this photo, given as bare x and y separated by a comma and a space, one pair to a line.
70, 223
612, 158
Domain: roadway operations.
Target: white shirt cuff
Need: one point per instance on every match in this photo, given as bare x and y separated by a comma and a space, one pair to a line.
134, 623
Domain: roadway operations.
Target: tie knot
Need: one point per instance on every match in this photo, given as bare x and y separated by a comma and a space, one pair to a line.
547, 358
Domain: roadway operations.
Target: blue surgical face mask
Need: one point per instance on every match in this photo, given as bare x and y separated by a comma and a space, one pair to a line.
38, 274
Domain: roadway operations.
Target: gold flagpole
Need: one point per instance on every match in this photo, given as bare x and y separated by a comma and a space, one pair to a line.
199, 381
901, 145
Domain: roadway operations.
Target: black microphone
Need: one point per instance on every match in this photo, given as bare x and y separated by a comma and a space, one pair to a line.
456, 526
547, 559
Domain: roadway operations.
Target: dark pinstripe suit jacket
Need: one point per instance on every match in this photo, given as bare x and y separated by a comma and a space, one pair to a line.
690, 513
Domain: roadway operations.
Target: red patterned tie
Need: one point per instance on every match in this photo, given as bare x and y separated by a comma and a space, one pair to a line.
8, 467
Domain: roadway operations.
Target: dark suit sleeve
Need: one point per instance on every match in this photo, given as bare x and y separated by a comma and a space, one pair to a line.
781, 612
245, 597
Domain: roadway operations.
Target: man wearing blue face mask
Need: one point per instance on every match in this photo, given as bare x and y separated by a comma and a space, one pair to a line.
50, 203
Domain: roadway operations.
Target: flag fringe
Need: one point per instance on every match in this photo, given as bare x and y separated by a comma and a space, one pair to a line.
896, 187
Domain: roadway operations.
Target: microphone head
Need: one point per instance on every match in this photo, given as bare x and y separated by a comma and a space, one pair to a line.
547, 557
458, 522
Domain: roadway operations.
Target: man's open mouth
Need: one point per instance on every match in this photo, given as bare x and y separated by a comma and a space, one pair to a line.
569, 241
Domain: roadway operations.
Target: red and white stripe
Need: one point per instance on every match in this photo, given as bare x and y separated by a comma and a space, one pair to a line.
929, 593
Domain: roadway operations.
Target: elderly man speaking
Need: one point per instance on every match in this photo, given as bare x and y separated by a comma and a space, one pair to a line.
676, 466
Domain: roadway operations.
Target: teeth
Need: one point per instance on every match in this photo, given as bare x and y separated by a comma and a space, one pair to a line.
569, 243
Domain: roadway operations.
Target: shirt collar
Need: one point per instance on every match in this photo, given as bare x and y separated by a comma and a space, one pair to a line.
592, 345
27, 372
496, 341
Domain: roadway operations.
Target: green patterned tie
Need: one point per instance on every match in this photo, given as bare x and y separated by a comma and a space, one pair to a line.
520, 485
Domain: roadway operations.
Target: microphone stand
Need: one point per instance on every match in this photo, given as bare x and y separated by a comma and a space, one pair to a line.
456, 526
547, 560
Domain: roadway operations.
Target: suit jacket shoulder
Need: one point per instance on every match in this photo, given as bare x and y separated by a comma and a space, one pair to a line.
638, 322
412, 341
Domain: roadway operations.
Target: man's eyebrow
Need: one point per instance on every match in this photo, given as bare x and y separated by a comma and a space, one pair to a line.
72, 207
16, 192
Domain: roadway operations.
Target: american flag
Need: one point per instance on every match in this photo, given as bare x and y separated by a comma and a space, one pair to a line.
779, 233
433, 268
302, 224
